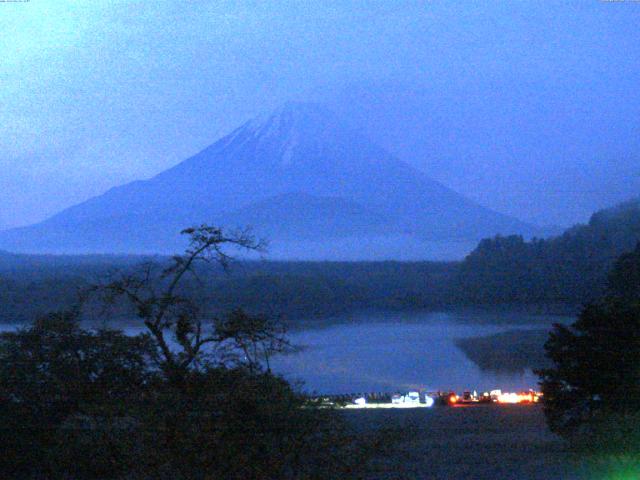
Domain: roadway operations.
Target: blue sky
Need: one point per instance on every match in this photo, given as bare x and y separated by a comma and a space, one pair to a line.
531, 108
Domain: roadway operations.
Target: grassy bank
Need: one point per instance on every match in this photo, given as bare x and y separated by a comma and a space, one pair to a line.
480, 442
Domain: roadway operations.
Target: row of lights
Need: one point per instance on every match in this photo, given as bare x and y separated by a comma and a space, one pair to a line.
495, 396
498, 396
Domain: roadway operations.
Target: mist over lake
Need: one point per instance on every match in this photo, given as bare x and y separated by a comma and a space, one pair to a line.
237, 237
395, 351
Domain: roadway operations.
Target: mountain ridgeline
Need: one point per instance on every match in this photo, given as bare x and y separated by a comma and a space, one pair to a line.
565, 271
313, 185
569, 269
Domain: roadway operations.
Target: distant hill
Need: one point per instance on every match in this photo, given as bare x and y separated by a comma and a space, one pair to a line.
503, 272
292, 290
571, 268
59, 265
299, 174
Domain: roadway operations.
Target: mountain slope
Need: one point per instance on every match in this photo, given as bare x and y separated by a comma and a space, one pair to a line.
295, 173
571, 268
304, 216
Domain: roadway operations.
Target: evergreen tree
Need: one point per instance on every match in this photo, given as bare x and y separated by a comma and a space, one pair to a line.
595, 380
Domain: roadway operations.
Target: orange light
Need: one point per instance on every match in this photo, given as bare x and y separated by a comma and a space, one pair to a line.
453, 398
526, 397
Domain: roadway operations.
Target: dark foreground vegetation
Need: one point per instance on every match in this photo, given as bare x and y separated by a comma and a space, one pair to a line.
592, 389
561, 273
85, 405
192, 398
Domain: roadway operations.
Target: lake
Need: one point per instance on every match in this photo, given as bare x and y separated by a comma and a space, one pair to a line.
395, 351
392, 351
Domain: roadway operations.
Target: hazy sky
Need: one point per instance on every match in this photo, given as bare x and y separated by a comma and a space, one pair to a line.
532, 108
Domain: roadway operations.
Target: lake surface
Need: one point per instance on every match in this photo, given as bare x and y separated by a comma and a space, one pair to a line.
390, 352
393, 351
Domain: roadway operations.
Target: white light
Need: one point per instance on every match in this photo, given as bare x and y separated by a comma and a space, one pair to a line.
429, 401
412, 397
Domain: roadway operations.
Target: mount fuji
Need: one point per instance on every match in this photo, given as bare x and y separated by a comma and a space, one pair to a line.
301, 177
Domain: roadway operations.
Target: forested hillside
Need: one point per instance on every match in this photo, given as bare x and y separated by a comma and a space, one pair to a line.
289, 289
570, 269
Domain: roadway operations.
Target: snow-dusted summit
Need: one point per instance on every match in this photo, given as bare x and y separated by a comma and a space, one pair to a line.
315, 186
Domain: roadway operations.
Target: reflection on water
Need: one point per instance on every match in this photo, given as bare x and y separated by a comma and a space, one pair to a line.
388, 352
395, 351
